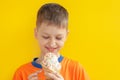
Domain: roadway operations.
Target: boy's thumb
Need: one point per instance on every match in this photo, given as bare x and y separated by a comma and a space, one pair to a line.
39, 71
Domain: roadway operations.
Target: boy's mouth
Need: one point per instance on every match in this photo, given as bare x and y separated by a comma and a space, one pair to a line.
51, 49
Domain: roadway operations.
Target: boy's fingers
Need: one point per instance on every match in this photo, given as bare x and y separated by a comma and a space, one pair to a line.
58, 75
35, 74
32, 75
39, 71
33, 78
55, 76
51, 75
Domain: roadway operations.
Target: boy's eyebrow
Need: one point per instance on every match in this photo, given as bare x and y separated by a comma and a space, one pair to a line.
45, 33
59, 35
49, 34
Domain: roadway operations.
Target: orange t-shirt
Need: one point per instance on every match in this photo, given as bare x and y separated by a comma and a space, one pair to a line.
70, 70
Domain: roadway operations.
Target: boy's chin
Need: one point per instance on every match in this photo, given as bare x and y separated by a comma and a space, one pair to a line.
55, 53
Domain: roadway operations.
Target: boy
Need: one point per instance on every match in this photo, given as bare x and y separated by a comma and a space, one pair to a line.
51, 32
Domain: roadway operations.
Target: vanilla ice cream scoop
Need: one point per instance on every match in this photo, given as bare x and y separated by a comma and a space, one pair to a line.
50, 63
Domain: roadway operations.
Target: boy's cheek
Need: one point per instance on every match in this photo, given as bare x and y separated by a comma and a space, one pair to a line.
61, 43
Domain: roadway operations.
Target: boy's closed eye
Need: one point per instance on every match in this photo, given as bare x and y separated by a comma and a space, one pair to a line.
59, 38
47, 37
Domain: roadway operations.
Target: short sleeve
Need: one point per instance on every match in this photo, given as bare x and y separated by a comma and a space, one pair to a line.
17, 75
81, 73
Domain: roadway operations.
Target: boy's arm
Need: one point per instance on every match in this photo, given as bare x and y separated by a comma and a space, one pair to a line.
17, 75
81, 73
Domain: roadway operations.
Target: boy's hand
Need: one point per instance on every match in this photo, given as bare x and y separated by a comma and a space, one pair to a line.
54, 76
34, 76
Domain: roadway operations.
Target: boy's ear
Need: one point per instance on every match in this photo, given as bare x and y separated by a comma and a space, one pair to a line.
68, 32
35, 33
67, 35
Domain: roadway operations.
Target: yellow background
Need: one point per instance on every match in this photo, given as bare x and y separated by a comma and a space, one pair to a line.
94, 38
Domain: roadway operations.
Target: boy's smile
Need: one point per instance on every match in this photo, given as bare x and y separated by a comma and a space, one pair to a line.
51, 49
50, 37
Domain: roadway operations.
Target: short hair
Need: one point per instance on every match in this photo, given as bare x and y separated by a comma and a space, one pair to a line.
52, 13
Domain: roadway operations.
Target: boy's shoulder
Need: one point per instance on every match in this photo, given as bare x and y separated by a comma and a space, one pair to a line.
24, 66
69, 60
72, 63
75, 69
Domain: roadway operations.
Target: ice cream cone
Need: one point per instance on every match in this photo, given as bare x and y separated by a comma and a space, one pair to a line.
50, 64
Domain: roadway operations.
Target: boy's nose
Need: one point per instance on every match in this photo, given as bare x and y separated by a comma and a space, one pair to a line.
52, 43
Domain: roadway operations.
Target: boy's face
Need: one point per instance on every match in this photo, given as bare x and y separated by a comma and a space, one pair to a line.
50, 38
